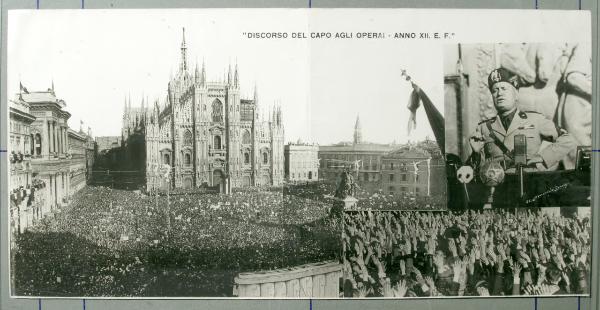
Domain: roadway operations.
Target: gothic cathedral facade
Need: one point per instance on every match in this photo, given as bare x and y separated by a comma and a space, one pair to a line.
208, 134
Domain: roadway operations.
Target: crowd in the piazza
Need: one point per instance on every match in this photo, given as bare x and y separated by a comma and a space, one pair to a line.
373, 200
111, 242
475, 253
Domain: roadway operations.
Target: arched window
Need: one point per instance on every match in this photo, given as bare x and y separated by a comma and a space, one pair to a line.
246, 137
38, 144
217, 142
167, 159
265, 158
187, 137
188, 159
217, 111
246, 158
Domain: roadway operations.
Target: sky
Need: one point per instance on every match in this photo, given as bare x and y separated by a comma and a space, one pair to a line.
96, 58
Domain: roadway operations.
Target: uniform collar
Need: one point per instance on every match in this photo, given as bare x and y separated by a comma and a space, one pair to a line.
517, 120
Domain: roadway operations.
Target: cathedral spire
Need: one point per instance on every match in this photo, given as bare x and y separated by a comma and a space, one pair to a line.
203, 79
255, 95
236, 76
357, 131
183, 66
197, 73
279, 121
229, 75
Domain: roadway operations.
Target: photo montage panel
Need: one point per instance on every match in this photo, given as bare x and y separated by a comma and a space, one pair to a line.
468, 253
518, 125
164, 184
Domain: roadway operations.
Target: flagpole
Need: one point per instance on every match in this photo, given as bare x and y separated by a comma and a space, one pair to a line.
436, 119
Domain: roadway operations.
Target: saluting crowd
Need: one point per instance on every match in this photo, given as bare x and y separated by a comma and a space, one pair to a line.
475, 253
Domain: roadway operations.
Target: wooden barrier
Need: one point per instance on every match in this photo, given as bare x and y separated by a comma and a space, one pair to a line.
304, 281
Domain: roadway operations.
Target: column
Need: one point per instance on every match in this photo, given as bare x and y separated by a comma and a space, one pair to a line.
60, 139
56, 138
52, 149
44, 142
65, 140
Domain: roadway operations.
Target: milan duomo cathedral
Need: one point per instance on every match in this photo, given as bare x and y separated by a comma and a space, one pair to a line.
206, 133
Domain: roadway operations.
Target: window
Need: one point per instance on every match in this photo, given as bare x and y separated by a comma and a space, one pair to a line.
246, 137
167, 159
392, 166
391, 177
38, 144
188, 159
403, 177
246, 158
265, 158
217, 142
217, 111
403, 189
187, 137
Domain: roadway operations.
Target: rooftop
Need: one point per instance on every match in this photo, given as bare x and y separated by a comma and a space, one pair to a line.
41, 97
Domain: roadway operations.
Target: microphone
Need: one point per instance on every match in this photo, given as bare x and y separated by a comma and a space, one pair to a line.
520, 155
520, 152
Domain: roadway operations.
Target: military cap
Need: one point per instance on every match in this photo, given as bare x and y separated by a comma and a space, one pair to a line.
502, 75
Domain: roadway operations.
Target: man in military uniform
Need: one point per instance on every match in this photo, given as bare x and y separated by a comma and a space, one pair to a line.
494, 138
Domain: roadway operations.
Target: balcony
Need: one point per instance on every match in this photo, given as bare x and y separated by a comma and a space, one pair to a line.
217, 152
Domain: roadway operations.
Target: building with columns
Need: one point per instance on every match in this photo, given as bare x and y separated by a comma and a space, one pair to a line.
22, 207
43, 165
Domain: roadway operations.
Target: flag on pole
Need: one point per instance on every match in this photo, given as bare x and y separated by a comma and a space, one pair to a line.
435, 118
414, 102
22, 88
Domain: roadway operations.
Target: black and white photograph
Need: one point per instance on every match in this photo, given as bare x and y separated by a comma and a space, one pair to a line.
149, 160
295, 153
380, 130
472, 253
518, 124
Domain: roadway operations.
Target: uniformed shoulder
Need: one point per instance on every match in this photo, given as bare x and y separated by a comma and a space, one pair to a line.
486, 120
532, 115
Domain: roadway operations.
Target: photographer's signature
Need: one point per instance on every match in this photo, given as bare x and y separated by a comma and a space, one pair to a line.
551, 190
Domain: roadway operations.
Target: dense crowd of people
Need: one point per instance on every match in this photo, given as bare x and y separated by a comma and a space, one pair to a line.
371, 200
475, 253
110, 242
380, 201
